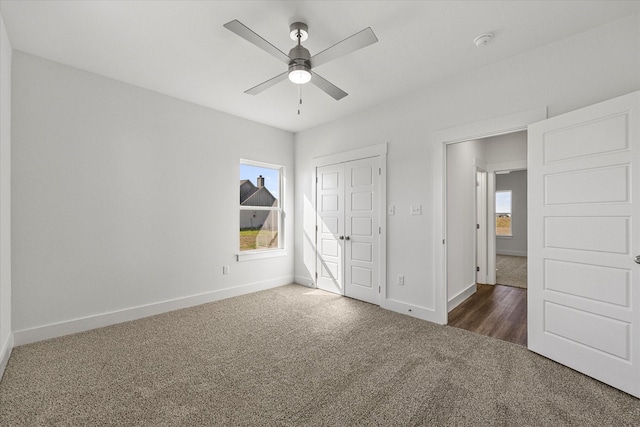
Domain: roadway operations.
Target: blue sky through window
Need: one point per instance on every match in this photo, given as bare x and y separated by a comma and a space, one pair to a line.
503, 202
271, 177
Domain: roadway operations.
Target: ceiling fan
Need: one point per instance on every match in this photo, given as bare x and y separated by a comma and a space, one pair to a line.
299, 60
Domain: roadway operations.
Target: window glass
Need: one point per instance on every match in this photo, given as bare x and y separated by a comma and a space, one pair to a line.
260, 206
503, 213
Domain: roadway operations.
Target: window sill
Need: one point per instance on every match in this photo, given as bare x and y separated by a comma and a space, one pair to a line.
260, 254
504, 236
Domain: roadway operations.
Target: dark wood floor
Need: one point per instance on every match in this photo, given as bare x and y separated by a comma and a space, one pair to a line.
495, 311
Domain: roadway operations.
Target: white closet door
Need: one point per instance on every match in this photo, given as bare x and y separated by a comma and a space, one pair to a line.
584, 232
348, 229
330, 227
362, 233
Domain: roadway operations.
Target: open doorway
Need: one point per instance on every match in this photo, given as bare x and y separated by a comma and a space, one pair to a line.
486, 289
511, 227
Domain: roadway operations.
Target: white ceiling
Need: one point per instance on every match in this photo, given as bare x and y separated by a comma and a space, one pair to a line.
180, 48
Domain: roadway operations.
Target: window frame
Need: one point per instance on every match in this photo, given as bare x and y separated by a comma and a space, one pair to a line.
510, 213
265, 252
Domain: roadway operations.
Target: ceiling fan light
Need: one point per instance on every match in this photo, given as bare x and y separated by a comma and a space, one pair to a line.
299, 75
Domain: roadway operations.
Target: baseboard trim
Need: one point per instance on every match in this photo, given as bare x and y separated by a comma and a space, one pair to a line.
305, 281
5, 353
411, 310
461, 296
511, 253
40, 333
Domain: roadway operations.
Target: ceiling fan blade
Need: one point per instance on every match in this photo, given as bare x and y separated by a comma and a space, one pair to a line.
332, 90
350, 44
266, 85
243, 31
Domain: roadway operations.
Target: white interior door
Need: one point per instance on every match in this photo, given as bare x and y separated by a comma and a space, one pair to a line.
330, 227
362, 232
584, 231
348, 227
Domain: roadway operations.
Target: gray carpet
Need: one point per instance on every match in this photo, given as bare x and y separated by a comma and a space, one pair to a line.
511, 270
295, 356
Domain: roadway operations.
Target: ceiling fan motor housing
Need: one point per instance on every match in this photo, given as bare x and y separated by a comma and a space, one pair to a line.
299, 53
300, 59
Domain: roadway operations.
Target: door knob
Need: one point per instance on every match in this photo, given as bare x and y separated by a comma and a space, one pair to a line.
637, 259
349, 238
341, 237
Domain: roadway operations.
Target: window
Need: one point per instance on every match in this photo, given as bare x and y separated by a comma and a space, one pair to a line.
260, 206
503, 213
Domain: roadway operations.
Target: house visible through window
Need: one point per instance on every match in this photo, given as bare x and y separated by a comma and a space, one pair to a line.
503, 213
260, 206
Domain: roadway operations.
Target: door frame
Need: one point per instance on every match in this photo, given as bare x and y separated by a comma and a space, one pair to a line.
492, 168
481, 220
484, 129
379, 150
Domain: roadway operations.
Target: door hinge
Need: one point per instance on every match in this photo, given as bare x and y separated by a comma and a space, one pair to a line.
478, 226
477, 268
443, 241
316, 275
379, 171
316, 179
316, 228
379, 230
379, 289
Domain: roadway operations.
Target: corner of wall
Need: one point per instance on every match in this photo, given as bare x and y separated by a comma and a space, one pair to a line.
461, 296
304, 281
6, 336
5, 353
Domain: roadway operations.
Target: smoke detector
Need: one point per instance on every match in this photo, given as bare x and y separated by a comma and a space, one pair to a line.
482, 40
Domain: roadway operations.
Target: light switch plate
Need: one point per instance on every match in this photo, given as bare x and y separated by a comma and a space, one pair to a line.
416, 209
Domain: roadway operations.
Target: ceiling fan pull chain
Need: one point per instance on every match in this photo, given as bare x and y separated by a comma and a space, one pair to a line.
299, 97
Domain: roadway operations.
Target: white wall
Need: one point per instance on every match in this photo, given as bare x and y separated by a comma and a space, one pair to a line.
5, 197
575, 72
515, 245
125, 198
502, 151
462, 160
505, 148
